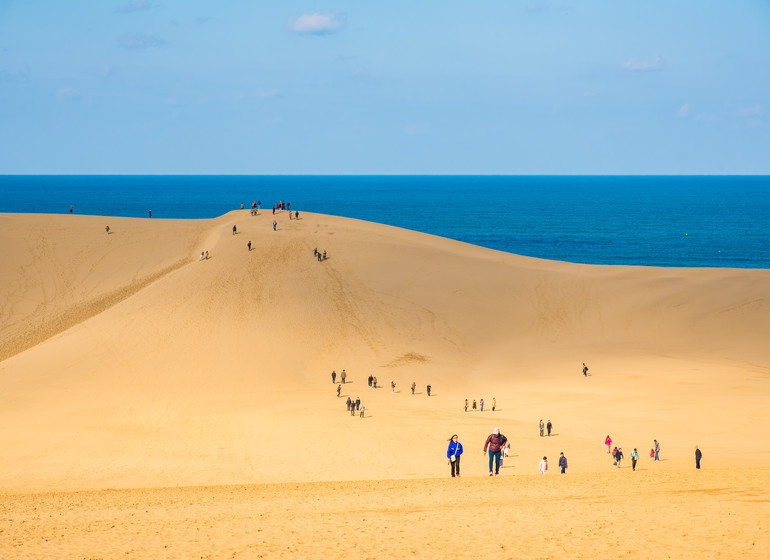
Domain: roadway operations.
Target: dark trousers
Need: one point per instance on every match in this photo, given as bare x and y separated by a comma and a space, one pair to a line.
697, 463
456, 466
633, 464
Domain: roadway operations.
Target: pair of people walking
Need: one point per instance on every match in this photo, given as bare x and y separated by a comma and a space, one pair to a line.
543, 427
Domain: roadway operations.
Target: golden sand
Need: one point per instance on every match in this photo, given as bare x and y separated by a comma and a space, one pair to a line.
129, 364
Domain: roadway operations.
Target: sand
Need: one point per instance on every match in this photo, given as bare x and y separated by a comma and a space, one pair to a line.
135, 378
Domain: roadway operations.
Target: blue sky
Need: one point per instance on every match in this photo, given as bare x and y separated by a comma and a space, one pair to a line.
396, 87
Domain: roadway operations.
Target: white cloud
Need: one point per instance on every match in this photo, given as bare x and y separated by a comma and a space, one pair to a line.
132, 6
317, 24
655, 63
140, 41
67, 92
683, 111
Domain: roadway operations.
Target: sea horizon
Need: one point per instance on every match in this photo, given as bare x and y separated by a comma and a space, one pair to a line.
641, 220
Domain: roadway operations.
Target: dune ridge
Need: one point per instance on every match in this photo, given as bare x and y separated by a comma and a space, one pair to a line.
130, 364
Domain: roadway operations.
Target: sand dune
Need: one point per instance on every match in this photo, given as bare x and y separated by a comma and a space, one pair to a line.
128, 363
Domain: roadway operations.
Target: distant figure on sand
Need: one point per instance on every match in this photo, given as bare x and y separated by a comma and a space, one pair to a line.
453, 453
296, 215
428, 390
495, 443
543, 465
234, 230
698, 456
249, 245
370, 380
200, 259
657, 450
585, 370
634, 459
608, 442
374, 381
615, 456
107, 229
150, 212
362, 412
542, 428
344, 376
652, 454
392, 387
481, 405
347, 404
466, 405
207, 255
334, 376
71, 208
414, 386
494, 404
473, 408
549, 426
358, 403
562, 462
339, 389
275, 225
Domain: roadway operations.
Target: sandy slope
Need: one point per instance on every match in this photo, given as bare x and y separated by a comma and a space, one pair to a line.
129, 363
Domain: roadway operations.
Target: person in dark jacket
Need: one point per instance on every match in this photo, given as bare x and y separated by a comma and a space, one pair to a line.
453, 453
698, 456
619, 456
562, 462
495, 443
548, 427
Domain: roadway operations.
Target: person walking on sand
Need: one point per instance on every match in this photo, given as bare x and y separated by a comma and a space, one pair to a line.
362, 412
150, 212
234, 230
494, 404
107, 229
619, 456
370, 380
414, 386
352, 408
347, 404
200, 259
698, 457
585, 370
249, 245
275, 225
542, 428
339, 389
549, 426
652, 454
71, 208
466, 405
608, 442
615, 457
657, 450
207, 255
392, 387
374, 381
344, 376
473, 406
634, 459
334, 376
543, 465
562, 462
358, 403
428, 390
495, 443
481, 405
453, 453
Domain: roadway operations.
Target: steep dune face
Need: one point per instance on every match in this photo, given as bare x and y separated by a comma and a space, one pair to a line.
182, 371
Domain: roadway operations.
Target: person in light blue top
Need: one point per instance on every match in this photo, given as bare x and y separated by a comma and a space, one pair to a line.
453, 453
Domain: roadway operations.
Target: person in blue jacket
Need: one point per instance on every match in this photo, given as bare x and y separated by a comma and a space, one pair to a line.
453, 453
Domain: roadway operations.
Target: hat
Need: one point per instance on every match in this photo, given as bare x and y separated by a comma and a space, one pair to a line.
496, 431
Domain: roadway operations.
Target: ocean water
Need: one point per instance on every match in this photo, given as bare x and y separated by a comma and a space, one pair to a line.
651, 221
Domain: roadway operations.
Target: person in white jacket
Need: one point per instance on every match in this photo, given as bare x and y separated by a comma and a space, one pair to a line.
544, 465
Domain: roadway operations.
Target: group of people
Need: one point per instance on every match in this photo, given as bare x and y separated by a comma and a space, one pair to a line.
205, 255
496, 447
320, 256
617, 453
354, 406
481, 403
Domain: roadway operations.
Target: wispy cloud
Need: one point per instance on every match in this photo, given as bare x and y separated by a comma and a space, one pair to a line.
67, 92
749, 111
140, 41
684, 111
317, 24
132, 6
634, 65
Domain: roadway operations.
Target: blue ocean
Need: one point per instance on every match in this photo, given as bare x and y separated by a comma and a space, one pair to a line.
697, 221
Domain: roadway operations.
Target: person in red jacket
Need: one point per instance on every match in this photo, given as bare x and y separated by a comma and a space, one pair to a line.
495, 443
